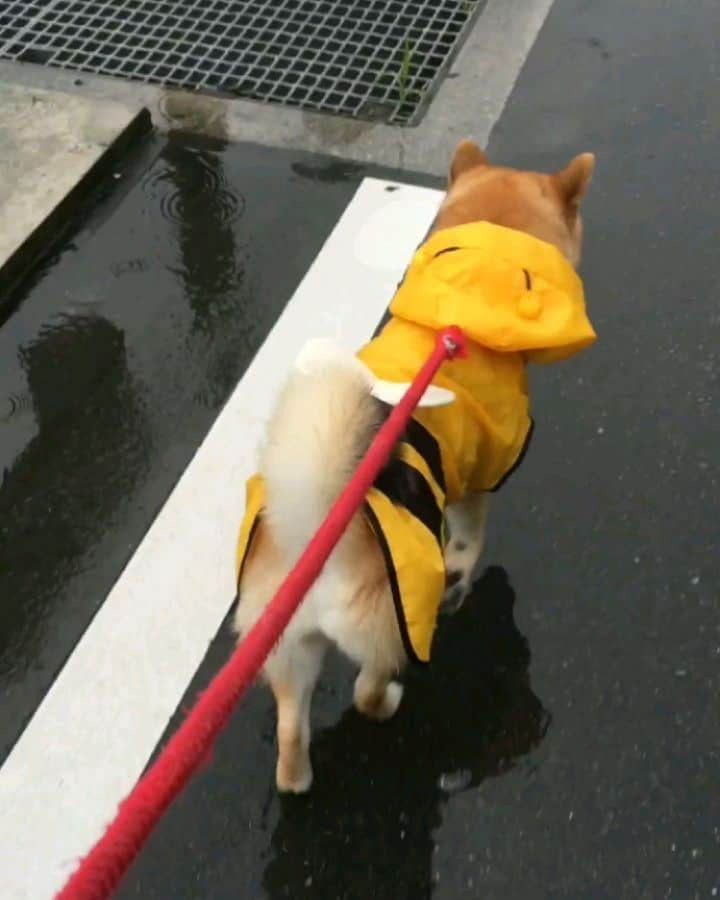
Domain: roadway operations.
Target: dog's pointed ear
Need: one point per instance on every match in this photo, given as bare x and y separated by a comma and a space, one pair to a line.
572, 181
467, 156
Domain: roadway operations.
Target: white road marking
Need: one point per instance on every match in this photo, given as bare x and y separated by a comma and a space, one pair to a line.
92, 735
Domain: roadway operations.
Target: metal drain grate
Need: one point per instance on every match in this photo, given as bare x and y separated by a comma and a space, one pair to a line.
373, 59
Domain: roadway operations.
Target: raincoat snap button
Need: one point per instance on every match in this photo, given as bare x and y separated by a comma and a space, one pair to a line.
529, 306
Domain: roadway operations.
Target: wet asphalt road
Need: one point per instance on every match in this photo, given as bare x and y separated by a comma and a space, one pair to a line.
565, 741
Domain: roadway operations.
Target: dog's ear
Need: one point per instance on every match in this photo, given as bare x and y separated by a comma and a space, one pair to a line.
572, 181
467, 156
392, 392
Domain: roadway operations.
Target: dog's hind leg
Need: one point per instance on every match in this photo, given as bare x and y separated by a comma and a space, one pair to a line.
292, 672
466, 520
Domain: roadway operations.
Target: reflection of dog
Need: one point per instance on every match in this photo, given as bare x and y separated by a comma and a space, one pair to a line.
366, 829
499, 265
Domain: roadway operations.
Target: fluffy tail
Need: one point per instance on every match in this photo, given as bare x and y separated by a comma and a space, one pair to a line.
323, 424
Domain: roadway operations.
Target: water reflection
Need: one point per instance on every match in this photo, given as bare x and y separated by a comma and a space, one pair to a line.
333, 172
365, 830
191, 188
66, 487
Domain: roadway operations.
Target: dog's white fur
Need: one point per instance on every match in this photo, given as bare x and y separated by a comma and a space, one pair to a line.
324, 422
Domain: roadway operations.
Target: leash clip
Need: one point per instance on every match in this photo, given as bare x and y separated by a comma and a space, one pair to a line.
453, 340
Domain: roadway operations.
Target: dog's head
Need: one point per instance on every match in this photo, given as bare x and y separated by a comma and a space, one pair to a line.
545, 206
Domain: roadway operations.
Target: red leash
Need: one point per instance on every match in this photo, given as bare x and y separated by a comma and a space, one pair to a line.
99, 873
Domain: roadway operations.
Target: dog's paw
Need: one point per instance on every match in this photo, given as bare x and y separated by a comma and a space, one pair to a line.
457, 588
460, 559
391, 701
378, 706
293, 779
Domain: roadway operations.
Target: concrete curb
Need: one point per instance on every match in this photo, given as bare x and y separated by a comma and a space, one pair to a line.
56, 149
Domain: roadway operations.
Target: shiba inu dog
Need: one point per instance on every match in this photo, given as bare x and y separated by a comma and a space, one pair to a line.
500, 263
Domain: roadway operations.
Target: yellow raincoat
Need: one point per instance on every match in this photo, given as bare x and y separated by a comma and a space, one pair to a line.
517, 299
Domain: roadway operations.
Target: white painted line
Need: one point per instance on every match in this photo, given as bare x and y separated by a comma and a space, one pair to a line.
102, 718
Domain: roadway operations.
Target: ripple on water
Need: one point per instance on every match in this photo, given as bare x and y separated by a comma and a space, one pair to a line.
207, 190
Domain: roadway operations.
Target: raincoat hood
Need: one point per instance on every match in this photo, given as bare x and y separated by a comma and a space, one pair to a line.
508, 291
